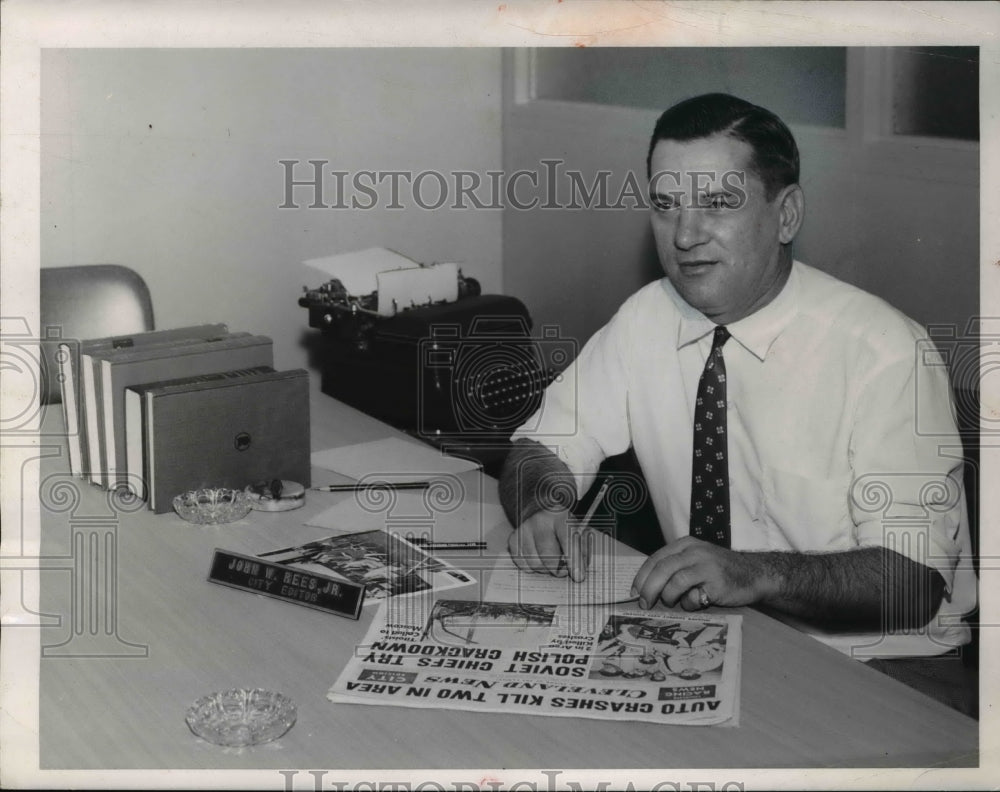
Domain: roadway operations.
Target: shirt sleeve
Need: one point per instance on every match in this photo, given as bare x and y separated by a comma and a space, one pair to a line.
907, 493
583, 417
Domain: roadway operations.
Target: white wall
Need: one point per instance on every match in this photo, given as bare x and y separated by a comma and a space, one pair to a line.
166, 160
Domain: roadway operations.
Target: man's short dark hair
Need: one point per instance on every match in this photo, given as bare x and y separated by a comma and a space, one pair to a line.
775, 157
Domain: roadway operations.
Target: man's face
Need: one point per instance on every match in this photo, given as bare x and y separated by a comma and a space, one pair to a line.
718, 237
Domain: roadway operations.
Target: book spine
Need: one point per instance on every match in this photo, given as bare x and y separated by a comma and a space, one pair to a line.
91, 406
135, 440
108, 411
68, 391
192, 360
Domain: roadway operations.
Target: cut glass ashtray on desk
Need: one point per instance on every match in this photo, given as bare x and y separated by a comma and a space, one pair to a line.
212, 506
241, 717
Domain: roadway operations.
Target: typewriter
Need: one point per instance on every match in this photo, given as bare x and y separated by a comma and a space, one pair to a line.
456, 368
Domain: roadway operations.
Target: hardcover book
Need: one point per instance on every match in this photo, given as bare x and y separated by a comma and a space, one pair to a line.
71, 353
93, 397
120, 371
136, 447
229, 432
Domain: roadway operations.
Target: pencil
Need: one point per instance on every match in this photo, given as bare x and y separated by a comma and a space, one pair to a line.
428, 544
399, 485
585, 523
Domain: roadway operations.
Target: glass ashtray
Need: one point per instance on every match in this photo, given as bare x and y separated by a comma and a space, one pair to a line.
212, 506
241, 717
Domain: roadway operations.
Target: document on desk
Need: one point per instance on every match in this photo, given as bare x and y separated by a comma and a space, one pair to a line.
437, 514
385, 564
612, 569
613, 663
390, 459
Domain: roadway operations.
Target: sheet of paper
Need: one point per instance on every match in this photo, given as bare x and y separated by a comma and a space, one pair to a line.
408, 288
430, 514
358, 270
612, 569
391, 459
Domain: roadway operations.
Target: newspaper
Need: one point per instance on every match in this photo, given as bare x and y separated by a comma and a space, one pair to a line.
387, 565
609, 662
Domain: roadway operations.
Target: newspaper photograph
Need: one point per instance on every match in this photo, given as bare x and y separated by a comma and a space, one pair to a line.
386, 564
609, 662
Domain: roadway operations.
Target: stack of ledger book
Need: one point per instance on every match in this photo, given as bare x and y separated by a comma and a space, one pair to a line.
168, 411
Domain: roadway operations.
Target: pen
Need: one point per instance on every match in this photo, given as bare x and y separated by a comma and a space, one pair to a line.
583, 527
585, 523
427, 544
398, 485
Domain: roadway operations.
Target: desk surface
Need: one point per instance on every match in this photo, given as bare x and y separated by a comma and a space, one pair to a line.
164, 636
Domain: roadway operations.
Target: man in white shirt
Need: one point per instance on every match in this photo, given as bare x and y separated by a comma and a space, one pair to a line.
808, 487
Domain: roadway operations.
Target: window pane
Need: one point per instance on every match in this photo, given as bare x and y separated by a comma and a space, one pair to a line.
936, 92
803, 85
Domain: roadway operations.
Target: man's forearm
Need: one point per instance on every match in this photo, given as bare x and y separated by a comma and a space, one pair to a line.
866, 588
532, 479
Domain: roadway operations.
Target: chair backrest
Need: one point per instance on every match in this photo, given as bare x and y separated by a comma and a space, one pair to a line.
88, 302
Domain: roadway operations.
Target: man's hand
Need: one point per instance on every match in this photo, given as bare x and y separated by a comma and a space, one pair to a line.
543, 540
546, 542
864, 588
681, 571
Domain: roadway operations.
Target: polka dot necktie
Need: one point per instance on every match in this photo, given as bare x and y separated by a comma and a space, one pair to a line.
710, 463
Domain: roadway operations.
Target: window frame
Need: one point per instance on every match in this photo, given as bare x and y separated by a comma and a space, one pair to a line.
867, 133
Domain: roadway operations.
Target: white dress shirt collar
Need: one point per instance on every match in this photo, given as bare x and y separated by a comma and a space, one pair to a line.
756, 332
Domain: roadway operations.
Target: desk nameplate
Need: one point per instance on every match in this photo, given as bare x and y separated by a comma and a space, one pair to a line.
320, 592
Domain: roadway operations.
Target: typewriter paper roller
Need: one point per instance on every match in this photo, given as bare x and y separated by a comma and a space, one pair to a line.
407, 288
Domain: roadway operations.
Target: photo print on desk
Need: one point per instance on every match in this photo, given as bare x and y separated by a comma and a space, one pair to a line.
386, 565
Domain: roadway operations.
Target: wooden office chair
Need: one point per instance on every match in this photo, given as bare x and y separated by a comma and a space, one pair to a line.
88, 302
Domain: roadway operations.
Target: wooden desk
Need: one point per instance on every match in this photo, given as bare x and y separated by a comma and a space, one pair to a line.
172, 637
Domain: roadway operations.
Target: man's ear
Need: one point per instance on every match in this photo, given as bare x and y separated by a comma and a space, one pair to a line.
791, 208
